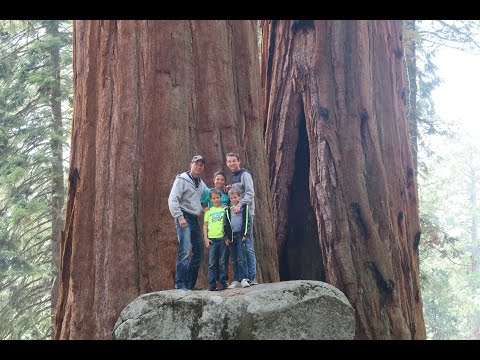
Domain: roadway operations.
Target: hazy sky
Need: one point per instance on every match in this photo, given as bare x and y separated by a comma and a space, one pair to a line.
458, 97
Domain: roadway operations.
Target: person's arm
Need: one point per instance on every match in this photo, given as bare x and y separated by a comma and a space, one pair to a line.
225, 199
249, 194
174, 200
226, 228
206, 240
247, 230
205, 197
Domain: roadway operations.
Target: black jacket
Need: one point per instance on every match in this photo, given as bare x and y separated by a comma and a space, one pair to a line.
246, 222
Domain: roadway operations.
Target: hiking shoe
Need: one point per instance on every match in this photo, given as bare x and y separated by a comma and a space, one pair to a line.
245, 283
254, 281
221, 286
234, 285
211, 288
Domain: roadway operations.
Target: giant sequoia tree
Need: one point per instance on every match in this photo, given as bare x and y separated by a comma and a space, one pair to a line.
340, 167
147, 96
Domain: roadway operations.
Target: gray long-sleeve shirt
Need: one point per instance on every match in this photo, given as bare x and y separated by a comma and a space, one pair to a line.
185, 196
246, 188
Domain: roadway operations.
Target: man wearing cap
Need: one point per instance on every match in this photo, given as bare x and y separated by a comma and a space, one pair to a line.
185, 207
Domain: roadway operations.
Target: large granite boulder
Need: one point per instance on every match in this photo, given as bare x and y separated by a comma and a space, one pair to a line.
299, 309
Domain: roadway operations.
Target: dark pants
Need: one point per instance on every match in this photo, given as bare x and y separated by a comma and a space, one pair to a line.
238, 252
217, 258
251, 257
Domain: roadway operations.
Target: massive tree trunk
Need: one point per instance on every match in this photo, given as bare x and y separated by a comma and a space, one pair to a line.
148, 96
341, 170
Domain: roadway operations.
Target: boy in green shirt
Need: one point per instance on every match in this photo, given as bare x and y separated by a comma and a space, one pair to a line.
214, 241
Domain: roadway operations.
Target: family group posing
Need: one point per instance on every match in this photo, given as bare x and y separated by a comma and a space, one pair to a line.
228, 213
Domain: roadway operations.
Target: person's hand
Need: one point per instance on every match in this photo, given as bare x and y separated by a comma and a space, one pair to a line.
205, 209
236, 209
226, 188
207, 242
182, 222
244, 238
227, 242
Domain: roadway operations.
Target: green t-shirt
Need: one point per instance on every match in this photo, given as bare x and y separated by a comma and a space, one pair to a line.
214, 218
224, 200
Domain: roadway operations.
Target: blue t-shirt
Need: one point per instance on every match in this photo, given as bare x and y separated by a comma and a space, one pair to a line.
224, 199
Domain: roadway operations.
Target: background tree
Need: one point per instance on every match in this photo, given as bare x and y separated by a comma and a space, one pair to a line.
446, 246
449, 254
34, 82
148, 96
423, 39
335, 118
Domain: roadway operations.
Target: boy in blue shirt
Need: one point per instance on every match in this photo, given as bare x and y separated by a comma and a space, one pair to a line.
237, 229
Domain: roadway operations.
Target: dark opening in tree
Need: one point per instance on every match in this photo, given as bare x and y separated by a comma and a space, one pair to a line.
301, 254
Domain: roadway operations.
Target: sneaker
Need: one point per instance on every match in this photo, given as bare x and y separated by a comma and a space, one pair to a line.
234, 285
254, 281
211, 288
245, 283
221, 286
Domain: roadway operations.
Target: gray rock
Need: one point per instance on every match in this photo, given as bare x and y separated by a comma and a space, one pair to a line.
299, 309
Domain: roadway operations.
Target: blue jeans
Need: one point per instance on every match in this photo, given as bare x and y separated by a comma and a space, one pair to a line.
217, 257
186, 271
251, 257
238, 250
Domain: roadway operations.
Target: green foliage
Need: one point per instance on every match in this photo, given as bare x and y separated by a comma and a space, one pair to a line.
27, 129
422, 41
446, 181
449, 279
427, 121
456, 34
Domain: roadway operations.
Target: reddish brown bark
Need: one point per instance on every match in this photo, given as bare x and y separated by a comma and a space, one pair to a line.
334, 103
149, 95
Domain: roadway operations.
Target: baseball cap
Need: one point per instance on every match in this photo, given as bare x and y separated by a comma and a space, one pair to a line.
198, 158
